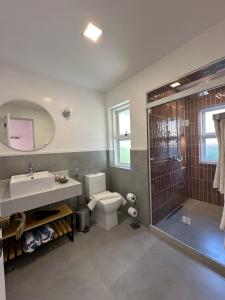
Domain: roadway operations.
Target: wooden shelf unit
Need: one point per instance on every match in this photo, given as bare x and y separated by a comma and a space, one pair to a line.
61, 223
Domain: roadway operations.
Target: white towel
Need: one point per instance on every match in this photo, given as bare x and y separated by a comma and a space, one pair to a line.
103, 196
222, 223
219, 180
46, 233
31, 241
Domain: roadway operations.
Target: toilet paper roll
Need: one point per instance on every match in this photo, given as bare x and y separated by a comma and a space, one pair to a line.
131, 197
133, 212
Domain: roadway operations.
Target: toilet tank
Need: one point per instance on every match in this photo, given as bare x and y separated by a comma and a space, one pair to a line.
94, 184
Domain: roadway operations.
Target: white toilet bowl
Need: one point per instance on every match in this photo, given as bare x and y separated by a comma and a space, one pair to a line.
105, 213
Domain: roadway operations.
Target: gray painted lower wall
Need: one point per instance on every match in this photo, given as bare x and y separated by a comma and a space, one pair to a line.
119, 180
86, 162
133, 181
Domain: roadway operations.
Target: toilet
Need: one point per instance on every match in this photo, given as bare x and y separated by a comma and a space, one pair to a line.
105, 212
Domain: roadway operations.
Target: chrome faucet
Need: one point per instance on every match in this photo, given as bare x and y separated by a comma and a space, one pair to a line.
31, 169
19, 219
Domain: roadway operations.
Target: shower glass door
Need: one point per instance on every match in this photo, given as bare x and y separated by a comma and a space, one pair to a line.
167, 145
204, 203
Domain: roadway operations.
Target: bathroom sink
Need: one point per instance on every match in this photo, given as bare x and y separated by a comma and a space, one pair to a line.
28, 184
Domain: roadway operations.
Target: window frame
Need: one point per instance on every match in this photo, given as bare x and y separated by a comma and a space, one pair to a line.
117, 137
204, 135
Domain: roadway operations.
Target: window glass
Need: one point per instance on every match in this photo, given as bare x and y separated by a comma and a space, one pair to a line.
124, 150
211, 149
209, 123
124, 121
209, 145
121, 135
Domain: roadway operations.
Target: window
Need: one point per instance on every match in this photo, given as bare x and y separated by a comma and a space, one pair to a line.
209, 145
121, 135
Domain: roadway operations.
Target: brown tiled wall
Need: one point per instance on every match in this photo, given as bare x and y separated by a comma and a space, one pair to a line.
167, 176
200, 176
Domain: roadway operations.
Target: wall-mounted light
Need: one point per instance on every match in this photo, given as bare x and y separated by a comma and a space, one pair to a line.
67, 112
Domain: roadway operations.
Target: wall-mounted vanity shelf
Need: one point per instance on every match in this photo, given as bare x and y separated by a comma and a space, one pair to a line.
29, 201
61, 223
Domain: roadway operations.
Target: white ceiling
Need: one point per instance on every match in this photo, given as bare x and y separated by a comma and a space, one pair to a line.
46, 35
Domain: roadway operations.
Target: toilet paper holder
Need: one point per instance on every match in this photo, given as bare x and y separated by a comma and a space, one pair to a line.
132, 198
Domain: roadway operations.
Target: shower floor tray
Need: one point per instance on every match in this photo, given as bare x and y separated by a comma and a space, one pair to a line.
203, 234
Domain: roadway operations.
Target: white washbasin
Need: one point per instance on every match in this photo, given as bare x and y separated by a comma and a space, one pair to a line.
27, 184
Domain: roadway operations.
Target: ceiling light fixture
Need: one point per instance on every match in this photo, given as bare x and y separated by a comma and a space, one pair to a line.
92, 32
175, 84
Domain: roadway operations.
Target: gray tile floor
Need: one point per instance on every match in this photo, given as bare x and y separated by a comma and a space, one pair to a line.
204, 233
120, 264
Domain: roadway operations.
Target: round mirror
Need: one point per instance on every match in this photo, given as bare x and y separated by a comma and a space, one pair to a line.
25, 125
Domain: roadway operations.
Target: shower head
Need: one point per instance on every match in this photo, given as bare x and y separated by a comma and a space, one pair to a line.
220, 95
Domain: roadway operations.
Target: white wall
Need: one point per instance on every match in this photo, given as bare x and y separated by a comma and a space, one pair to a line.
85, 131
203, 49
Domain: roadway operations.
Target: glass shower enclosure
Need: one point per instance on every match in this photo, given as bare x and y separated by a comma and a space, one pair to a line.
183, 152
